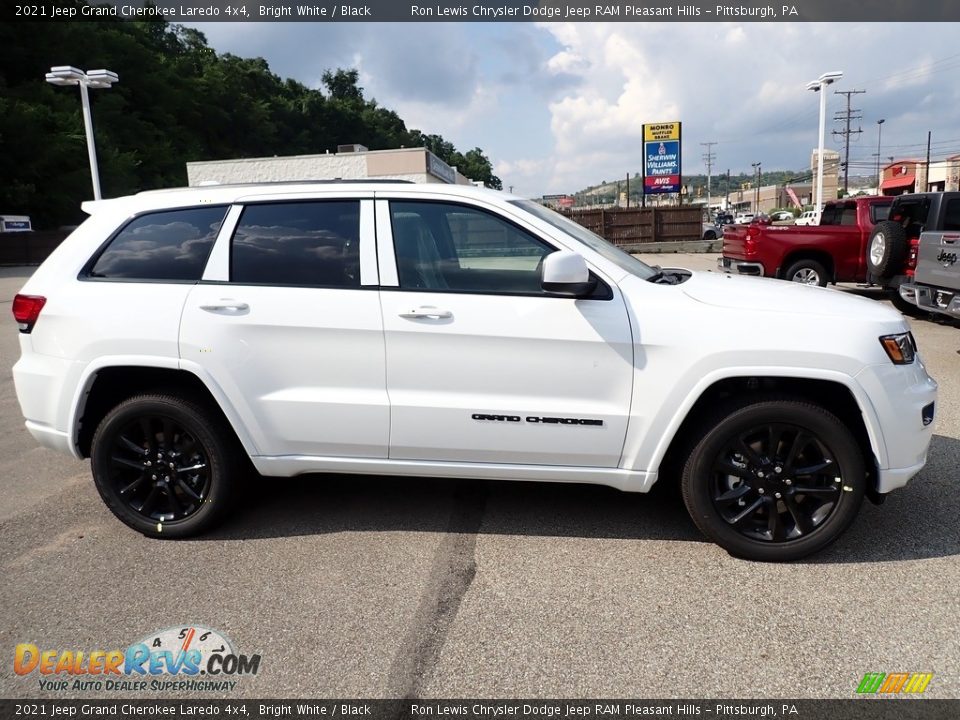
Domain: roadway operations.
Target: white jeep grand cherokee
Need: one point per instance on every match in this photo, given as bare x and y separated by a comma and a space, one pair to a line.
179, 336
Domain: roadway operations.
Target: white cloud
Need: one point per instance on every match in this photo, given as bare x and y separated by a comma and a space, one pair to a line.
560, 106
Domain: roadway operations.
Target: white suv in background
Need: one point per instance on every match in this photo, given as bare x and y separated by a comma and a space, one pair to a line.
447, 331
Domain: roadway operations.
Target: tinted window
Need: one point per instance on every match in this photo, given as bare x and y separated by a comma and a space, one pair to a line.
879, 212
299, 243
951, 217
170, 245
848, 216
830, 215
441, 246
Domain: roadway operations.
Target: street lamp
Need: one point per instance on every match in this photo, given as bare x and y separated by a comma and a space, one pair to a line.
97, 79
879, 135
819, 85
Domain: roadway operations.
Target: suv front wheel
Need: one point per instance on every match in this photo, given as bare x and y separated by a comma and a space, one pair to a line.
165, 466
774, 480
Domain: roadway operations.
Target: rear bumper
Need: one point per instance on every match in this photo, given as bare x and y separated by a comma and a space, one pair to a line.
937, 300
743, 267
44, 387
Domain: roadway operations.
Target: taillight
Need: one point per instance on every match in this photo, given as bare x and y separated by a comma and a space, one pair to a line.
749, 243
26, 310
912, 256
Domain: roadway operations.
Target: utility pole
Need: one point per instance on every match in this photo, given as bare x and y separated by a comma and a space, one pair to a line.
756, 205
628, 189
846, 117
727, 208
708, 158
926, 175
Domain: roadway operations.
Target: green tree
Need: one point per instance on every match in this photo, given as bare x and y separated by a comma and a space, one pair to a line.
177, 101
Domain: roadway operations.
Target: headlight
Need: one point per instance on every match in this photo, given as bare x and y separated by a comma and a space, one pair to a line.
901, 348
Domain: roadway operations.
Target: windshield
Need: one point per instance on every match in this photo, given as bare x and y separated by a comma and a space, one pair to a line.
610, 252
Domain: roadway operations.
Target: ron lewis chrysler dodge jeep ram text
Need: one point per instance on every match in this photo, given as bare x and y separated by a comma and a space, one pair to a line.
179, 336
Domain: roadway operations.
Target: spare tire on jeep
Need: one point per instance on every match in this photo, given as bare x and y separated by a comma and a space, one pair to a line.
887, 249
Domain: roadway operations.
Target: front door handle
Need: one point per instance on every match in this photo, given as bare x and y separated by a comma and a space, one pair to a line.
427, 311
227, 306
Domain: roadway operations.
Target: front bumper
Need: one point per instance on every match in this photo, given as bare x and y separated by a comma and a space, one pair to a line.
904, 401
730, 265
937, 300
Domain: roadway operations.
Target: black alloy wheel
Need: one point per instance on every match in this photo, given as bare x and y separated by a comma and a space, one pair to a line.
775, 482
774, 479
166, 466
160, 469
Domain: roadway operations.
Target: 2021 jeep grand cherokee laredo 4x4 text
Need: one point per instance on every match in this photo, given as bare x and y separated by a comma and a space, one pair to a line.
453, 332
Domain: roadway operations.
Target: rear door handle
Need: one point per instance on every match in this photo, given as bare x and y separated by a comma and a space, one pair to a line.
427, 311
226, 306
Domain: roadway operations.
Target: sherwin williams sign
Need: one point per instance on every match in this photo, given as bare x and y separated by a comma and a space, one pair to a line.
661, 158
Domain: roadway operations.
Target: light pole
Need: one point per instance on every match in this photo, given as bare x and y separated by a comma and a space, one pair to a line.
756, 206
97, 79
819, 85
879, 135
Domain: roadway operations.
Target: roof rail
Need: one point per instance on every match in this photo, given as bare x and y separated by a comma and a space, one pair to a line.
207, 184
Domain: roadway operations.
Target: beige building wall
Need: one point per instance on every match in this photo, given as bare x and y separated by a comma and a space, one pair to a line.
412, 164
831, 174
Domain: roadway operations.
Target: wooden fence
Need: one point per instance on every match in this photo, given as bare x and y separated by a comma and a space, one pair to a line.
28, 248
634, 228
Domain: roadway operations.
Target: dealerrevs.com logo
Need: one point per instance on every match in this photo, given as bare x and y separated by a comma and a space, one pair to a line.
183, 658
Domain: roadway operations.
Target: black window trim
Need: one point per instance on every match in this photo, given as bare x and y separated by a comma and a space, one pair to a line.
85, 276
601, 292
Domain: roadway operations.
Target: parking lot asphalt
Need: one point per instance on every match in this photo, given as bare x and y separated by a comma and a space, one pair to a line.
381, 587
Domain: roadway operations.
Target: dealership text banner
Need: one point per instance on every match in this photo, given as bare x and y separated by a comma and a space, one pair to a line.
488, 11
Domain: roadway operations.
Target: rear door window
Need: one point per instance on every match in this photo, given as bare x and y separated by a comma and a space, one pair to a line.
172, 245
848, 214
304, 244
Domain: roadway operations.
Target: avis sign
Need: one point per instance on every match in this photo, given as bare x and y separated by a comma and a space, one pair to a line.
661, 158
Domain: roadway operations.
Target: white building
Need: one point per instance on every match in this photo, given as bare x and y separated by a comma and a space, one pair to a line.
351, 162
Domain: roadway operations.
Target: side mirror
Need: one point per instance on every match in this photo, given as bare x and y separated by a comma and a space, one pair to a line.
566, 273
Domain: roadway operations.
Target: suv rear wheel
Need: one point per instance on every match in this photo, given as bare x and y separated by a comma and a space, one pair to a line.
774, 480
887, 249
165, 466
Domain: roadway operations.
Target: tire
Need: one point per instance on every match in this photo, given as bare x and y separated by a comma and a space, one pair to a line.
887, 249
733, 510
710, 235
165, 466
807, 272
905, 307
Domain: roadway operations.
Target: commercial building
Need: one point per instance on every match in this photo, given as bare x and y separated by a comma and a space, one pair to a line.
350, 162
912, 175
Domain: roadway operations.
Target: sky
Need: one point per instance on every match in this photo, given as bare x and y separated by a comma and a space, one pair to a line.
559, 106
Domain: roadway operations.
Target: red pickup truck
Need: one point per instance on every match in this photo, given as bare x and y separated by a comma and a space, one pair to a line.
833, 251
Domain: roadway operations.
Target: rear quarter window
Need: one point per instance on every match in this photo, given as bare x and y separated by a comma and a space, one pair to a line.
951, 216
879, 212
171, 245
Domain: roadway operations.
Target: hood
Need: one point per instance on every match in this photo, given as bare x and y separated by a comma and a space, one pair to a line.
780, 296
